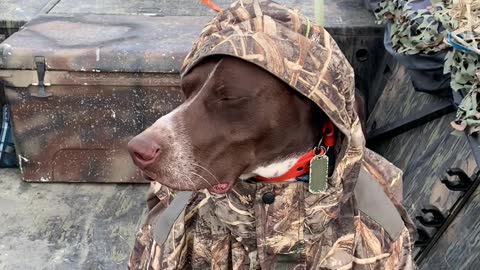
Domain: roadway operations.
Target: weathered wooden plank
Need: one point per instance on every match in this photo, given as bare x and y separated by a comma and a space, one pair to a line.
424, 154
458, 247
399, 100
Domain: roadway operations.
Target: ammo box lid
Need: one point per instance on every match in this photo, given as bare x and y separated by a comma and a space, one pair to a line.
103, 43
138, 36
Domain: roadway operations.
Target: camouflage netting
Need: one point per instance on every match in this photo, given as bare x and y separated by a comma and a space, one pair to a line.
413, 31
440, 25
468, 115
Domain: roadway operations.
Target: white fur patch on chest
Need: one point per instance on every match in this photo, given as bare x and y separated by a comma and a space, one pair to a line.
276, 168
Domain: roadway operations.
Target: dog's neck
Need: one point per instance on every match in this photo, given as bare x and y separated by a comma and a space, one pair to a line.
295, 165
274, 169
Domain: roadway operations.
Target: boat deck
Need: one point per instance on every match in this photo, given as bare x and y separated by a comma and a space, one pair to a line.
67, 226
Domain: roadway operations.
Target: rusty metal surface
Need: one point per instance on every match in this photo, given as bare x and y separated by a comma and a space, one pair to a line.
105, 43
80, 132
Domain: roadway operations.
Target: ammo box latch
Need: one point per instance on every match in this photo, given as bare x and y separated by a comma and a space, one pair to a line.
41, 69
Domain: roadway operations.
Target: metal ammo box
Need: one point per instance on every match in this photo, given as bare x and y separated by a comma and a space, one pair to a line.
81, 80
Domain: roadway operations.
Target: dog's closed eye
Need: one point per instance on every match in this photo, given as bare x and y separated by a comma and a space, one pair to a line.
226, 93
233, 99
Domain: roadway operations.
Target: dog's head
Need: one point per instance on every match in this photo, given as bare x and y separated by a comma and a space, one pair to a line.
238, 120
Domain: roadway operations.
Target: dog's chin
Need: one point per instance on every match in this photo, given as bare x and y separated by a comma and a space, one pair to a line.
167, 182
220, 188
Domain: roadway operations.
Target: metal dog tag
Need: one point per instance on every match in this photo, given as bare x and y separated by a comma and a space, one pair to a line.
318, 174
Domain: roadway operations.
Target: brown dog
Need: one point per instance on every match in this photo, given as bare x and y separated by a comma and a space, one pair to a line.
260, 115
237, 121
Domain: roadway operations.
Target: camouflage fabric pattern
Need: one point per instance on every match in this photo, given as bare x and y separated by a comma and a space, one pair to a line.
238, 231
300, 230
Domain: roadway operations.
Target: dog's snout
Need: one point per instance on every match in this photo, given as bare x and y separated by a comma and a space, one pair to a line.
143, 151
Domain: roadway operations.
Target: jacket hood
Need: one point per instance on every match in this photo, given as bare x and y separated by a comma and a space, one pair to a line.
286, 43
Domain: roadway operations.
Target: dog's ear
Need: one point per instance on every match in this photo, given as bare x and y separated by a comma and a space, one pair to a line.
212, 59
198, 74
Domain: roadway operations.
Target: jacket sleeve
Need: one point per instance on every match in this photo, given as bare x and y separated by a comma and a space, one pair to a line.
158, 199
390, 179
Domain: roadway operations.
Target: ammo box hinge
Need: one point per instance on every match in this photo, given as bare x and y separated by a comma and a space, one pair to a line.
41, 69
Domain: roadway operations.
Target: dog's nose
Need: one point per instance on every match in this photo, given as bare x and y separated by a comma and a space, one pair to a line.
143, 151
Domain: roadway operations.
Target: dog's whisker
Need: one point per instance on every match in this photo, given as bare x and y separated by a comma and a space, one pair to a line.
236, 192
203, 178
192, 185
208, 171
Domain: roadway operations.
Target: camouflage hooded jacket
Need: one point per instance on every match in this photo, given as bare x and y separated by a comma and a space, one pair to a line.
358, 223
